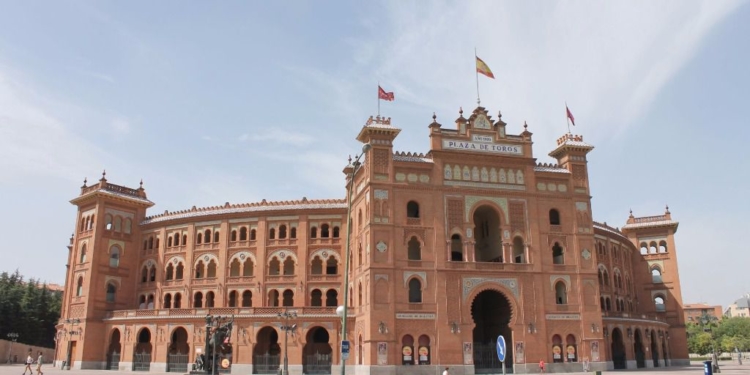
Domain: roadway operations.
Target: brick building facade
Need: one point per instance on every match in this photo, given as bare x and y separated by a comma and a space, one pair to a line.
449, 249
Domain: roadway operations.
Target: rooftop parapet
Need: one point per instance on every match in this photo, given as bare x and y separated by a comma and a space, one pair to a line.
106, 188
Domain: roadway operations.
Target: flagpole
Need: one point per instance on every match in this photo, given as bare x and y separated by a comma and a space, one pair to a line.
567, 118
378, 98
476, 73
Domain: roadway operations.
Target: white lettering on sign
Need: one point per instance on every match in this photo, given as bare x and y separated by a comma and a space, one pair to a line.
483, 147
415, 316
563, 317
481, 138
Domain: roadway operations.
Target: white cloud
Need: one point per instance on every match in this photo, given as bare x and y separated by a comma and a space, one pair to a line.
278, 136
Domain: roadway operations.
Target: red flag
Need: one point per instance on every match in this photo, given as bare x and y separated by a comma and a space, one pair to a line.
388, 96
570, 115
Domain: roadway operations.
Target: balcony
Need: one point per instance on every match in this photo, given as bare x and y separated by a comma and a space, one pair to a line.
175, 249
204, 281
240, 279
242, 244
281, 278
324, 241
489, 266
324, 278
623, 315
200, 313
207, 246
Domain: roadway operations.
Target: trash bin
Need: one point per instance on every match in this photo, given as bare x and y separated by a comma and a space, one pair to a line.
707, 368
598, 372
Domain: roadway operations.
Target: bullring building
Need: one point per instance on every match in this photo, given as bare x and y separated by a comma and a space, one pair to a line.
448, 250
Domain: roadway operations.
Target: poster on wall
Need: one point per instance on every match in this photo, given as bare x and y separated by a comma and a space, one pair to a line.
519, 352
406, 354
557, 353
424, 355
595, 351
382, 353
571, 350
468, 353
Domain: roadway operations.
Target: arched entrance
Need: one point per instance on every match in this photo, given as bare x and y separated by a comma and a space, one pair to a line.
142, 352
619, 358
114, 350
177, 356
491, 312
267, 352
654, 349
640, 354
317, 357
488, 246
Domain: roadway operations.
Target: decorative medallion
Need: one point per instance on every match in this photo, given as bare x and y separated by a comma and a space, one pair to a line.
282, 255
325, 254
206, 258
506, 234
586, 254
381, 246
242, 256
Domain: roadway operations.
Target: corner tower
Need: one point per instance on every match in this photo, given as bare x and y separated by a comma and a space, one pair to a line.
102, 267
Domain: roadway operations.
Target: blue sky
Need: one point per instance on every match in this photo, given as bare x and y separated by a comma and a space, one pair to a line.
243, 101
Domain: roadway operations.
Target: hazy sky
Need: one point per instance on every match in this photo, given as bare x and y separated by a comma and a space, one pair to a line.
211, 102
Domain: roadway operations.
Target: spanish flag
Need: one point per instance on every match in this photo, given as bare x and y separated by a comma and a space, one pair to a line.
484, 69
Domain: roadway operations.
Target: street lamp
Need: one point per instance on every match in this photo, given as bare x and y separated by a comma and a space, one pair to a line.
286, 315
71, 332
12, 337
707, 322
354, 167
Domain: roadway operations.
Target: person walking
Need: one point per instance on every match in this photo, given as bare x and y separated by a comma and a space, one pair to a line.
541, 366
39, 361
445, 372
29, 361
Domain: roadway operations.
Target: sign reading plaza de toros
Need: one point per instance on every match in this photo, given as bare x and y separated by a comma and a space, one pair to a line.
483, 144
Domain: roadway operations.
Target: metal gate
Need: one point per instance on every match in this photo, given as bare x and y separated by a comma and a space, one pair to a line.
266, 364
113, 361
317, 364
177, 362
142, 362
485, 360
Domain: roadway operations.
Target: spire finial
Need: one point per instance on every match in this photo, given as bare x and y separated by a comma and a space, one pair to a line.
85, 181
141, 184
499, 115
461, 111
631, 213
525, 125
350, 159
104, 173
667, 212
434, 117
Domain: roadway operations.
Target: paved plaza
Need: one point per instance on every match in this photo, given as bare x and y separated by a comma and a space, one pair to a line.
693, 369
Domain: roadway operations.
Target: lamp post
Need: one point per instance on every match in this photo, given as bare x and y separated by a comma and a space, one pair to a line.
71, 332
12, 337
707, 321
286, 315
355, 166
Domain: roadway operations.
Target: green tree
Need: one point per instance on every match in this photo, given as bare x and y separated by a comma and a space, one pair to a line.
29, 309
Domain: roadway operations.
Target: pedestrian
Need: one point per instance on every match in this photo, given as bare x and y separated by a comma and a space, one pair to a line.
445, 372
585, 364
29, 361
541, 366
39, 364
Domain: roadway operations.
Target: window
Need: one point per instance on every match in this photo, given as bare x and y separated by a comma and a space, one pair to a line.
273, 298
359, 294
662, 246
335, 232
114, 256
216, 236
79, 287
169, 242
108, 222
207, 235
324, 231
457, 251
233, 236
554, 217
82, 258
151, 243
644, 248
128, 226
332, 298
233, 299
198, 300
332, 266
210, 299
282, 232
118, 224
111, 290
234, 268
557, 254
317, 266
272, 233
247, 268
168, 301
211, 269
412, 210
274, 267
252, 235
177, 239
247, 298
313, 232
415, 291
293, 233
243, 234
519, 255
170, 272
144, 274
199, 238
316, 298
200, 270
179, 271
561, 293
414, 249
289, 266
177, 300
152, 274
288, 298
656, 275
659, 303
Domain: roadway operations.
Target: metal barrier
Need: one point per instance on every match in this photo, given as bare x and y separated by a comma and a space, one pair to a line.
177, 362
142, 362
317, 364
113, 361
266, 364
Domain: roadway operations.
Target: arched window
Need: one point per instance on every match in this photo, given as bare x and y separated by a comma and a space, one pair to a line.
177, 239
169, 241
274, 267
108, 222
168, 301
118, 224
233, 299
335, 232
659, 303
652, 248
288, 298
360, 257
519, 255
313, 232
282, 232
216, 236
662, 246
144, 274
243, 234
234, 268
415, 291
111, 291
557, 254
656, 275
571, 349
601, 303
644, 248
177, 300
211, 269
332, 298
128, 226
324, 231
609, 304
457, 249
252, 235
233, 236
79, 287
200, 270
151, 242
316, 298
272, 233
247, 267
179, 271
152, 274
412, 210
561, 293
554, 217
359, 294
415, 249
332, 266
289, 266
317, 266
207, 235
82, 257
199, 238
293, 233
210, 299
247, 299
170, 272
424, 350
156, 245
198, 300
